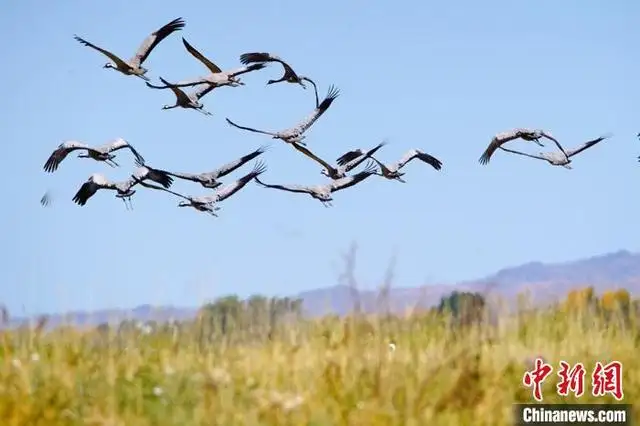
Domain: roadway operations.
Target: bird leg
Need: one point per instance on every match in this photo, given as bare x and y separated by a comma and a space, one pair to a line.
537, 141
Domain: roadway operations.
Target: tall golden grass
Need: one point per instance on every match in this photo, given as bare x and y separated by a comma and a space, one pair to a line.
330, 371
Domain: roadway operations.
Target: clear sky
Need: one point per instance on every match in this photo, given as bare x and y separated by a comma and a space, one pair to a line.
443, 77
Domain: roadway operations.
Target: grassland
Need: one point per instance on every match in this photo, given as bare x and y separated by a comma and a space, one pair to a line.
326, 372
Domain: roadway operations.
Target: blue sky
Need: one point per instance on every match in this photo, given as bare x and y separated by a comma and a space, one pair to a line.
443, 77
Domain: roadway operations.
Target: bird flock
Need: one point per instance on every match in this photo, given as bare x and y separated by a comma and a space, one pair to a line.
340, 174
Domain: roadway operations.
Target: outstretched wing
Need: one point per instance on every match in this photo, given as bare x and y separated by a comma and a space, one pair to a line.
159, 188
199, 56
60, 153
182, 97
186, 176
332, 94
239, 71
234, 165
350, 165
228, 190
250, 129
46, 199
120, 143
498, 140
253, 57
349, 156
199, 93
523, 153
314, 157
348, 181
116, 60
153, 39
586, 145
554, 140
86, 191
414, 153
156, 175
291, 188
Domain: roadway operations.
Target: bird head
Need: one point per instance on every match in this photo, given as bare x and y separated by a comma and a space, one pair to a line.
271, 82
183, 204
108, 65
324, 172
166, 107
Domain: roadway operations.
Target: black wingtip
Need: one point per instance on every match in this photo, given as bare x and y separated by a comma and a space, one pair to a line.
333, 92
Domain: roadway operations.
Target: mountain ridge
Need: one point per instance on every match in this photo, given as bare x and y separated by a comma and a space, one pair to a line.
551, 281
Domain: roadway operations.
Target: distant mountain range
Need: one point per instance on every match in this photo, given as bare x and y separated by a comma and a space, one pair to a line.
546, 283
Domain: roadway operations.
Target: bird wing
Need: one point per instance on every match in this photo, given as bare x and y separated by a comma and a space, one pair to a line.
61, 152
252, 57
554, 140
153, 39
182, 97
90, 187
183, 83
119, 62
121, 143
383, 167
233, 165
523, 153
349, 156
291, 188
493, 145
350, 165
199, 56
307, 122
159, 188
202, 91
249, 128
586, 145
315, 89
500, 139
244, 70
46, 199
156, 175
186, 176
228, 190
314, 157
348, 181
288, 71
414, 153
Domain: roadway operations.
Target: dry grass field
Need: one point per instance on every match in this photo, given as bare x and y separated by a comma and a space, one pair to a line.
333, 371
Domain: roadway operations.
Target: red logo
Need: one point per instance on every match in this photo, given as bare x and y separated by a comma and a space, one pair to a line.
605, 379
571, 379
533, 379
